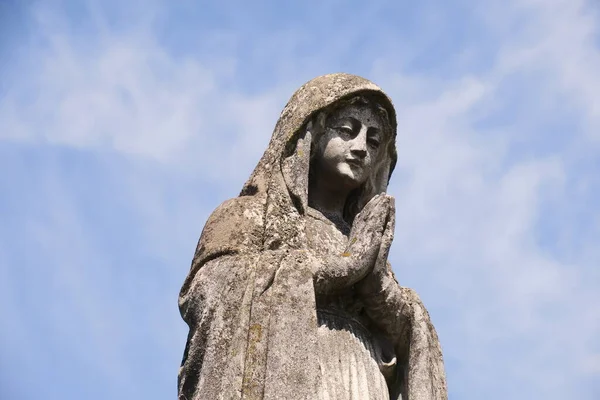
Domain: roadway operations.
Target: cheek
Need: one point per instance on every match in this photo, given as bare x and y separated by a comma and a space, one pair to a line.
334, 148
374, 154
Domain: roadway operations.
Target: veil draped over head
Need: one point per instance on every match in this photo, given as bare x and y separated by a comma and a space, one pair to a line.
249, 298
283, 169
315, 95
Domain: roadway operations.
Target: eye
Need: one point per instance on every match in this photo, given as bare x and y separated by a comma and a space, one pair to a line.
373, 138
373, 142
345, 130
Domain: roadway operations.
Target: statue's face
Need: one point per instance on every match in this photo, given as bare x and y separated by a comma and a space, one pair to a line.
350, 145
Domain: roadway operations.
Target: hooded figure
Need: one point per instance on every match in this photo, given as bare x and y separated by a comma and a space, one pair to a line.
287, 299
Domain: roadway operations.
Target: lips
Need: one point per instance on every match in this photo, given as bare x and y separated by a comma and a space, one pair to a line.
355, 162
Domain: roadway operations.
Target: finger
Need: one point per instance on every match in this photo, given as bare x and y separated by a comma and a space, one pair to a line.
367, 206
390, 225
370, 214
373, 201
391, 203
371, 226
374, 205
388, 234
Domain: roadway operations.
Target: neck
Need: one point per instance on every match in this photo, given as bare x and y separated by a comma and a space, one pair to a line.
327, 199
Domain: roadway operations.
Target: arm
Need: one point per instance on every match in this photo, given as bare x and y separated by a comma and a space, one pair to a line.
389, 306
400, 313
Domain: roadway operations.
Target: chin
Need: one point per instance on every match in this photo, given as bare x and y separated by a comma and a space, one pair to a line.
351, 178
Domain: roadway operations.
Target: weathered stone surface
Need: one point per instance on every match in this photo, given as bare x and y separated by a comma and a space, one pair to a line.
290, 295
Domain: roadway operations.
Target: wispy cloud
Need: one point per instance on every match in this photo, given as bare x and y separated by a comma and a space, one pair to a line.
484, 189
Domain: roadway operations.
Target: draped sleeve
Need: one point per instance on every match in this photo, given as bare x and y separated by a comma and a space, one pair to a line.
250, 311
400, 313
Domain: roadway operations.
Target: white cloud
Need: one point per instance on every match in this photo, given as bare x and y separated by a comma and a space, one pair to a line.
469, 208
126, 94
558, 38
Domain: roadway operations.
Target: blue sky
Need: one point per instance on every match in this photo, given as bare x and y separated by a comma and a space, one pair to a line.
122, 126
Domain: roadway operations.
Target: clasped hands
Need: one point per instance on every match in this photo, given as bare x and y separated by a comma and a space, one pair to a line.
364, 260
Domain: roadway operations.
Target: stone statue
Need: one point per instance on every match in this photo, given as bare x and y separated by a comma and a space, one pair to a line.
290, 295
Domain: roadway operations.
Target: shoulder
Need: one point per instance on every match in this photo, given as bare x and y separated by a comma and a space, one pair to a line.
236, 223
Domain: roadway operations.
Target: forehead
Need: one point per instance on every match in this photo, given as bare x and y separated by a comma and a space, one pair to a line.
365, 113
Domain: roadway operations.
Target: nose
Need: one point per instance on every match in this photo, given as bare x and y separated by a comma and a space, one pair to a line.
358, 153
358, 147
